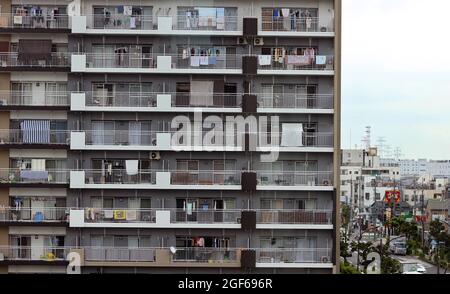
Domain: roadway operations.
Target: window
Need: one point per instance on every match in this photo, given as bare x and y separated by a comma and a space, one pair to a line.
367, 196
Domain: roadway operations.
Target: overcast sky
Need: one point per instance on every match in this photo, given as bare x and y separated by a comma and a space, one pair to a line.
396, 75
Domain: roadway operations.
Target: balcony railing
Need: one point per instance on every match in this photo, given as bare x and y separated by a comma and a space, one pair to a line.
56, 60
206, 100
294, 216
298, 62
293, 255
35, 253
34, 98
118, 215
121, 138
206, 255
210, 177
33, 215
34, 137
288, 178
223, 61
293, 24
118, 254
227, 23
309, 101
121, 22
307, 140
9, 20
120, 176
121, 99
205, 216
27, 176
121, 60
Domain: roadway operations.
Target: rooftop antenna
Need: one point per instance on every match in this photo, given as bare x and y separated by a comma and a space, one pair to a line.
367, 138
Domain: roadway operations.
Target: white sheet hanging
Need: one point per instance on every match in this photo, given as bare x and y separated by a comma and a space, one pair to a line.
264, 59
292, 135
132, 167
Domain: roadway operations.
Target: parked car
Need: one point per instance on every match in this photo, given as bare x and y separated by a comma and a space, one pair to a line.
398, 248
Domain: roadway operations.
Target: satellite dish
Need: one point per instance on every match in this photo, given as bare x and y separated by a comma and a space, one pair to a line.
173, 250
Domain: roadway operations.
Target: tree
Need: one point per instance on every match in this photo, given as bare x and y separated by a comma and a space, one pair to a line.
388, 264
364, 248
345, 220
348, 269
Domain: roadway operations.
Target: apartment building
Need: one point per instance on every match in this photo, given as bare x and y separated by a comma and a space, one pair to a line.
112, 149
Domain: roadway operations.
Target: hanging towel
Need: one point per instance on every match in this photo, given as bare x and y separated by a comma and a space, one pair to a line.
132, 22
264, 59
185, 54
285, 12
37, 164
132, 167
212, 60
204, 60
189, 209
195, 61
127, 10
292, 135
120, 214
321, 60
131, 215
108, 213
34, 174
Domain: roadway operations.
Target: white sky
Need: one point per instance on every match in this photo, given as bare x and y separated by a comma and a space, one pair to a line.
396, 75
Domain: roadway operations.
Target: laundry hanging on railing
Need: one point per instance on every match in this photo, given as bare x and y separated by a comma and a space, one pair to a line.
292, 135
35, 131
264, 59
132, 167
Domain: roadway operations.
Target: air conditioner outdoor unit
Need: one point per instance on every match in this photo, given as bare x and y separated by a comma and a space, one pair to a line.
155, 155
258, 41
241, 41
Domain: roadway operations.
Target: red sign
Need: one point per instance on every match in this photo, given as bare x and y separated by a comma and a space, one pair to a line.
421, 218
391, 196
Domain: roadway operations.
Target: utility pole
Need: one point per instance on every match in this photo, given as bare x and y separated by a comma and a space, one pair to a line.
422, 199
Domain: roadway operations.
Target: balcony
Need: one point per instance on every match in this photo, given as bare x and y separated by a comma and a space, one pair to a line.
147, 25
153, 141
297, 27
307, 142
34, 138
294, 258
56, 62
34, 178
289, 103
293, 219
295, 181
34, 255
29, 100
322, 65
34, 24
152, 179
155, 218
34, 216
157, 102
160, 257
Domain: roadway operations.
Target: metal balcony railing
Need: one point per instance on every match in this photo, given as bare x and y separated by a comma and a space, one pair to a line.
298, 62
34, 214
294, 216
294, 178
120, 215
296, 101
10, 20
121, 60
205, 177
206, 100
56, 60
34, 137
205, 216
206, 255
35, 253
293, 24
225, 23
34, 98
307, 140
293, 255
121, 22
121, 99
118, 254
119, 176
121, 138
28, 176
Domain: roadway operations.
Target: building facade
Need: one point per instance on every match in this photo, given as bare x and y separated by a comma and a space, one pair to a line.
112, 145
